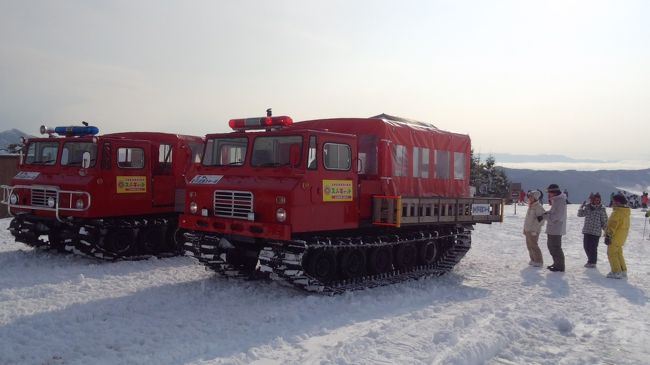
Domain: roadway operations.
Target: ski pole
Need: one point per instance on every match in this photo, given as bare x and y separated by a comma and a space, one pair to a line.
645, 222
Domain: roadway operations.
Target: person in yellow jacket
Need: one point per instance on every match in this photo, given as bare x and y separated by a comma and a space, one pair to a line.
618, 226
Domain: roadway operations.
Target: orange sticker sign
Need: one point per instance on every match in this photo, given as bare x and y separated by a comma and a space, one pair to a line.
131, 184
337, 190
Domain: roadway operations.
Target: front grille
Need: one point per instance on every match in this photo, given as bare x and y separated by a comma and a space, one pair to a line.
233, 204
40, 196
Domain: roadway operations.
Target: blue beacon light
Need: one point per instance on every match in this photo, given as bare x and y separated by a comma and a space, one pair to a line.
71, 131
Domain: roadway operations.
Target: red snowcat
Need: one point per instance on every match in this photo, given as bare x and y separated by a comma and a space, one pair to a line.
334, 204
110, 196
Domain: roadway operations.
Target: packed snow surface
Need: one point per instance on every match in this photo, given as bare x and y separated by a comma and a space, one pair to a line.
492, 309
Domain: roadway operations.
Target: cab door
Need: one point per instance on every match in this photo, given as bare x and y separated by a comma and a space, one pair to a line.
332, 179
132, 176
162, 177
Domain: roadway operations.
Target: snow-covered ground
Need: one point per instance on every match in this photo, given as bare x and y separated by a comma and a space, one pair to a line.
493, 308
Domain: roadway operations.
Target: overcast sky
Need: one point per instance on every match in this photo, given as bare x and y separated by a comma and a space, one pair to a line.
527, 77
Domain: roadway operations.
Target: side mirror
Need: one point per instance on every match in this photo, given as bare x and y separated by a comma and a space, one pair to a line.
85, 160
294, 155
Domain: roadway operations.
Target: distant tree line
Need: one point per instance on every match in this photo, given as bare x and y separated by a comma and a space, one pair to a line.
489, 180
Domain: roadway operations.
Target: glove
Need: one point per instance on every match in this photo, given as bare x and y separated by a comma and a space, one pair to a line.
608, 240
540, 218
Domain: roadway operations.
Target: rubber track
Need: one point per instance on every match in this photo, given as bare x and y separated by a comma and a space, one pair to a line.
205, 248
87, 241
284, 262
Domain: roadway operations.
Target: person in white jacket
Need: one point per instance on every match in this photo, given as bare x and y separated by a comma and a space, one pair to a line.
533, 227
556, 226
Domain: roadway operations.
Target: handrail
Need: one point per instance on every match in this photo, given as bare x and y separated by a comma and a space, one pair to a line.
8, 190
420, 210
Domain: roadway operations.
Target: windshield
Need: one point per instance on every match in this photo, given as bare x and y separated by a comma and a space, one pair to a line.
225, 151
73, 152
42, 153
275, 151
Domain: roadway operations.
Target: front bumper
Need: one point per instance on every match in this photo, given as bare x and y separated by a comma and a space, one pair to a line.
235, 227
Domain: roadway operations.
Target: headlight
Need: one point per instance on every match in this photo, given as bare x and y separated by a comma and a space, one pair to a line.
13, 199
50, 202
281, 215
80, 203
194, 208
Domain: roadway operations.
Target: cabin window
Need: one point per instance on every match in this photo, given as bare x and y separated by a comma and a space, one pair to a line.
368, 152
42, 153
72, 154
337, 156
312, 162
420, 162
106, 156
459, 166
165, 154
275, 151
225, 151
400, 161
164, 159
197, 151
130, 158
442, 164
416, 161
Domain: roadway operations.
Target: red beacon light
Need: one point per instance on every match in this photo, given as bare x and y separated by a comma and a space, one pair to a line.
260, 123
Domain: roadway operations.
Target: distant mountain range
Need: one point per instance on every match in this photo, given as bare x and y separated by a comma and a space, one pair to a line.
508, 158
580, 183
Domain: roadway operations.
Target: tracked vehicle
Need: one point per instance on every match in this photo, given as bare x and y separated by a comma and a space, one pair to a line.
335, 204
109, 196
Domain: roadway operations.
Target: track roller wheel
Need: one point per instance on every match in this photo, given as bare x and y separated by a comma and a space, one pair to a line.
321, 264
406, 255
241, 259
352, 263
152, 240
380, 260
58, 239
120, 241
428, 253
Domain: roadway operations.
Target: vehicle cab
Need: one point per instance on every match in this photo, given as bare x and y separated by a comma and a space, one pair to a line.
270, 179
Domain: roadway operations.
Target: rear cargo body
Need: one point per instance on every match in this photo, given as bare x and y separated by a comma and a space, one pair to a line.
334, 197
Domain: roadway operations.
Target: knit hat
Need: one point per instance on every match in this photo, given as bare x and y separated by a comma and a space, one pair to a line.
535, 194
595, 196
554, 188
620, 198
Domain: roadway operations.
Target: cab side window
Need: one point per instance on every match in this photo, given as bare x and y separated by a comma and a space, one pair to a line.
164, 159
106, 156
130, 157
312, 162
337, 156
